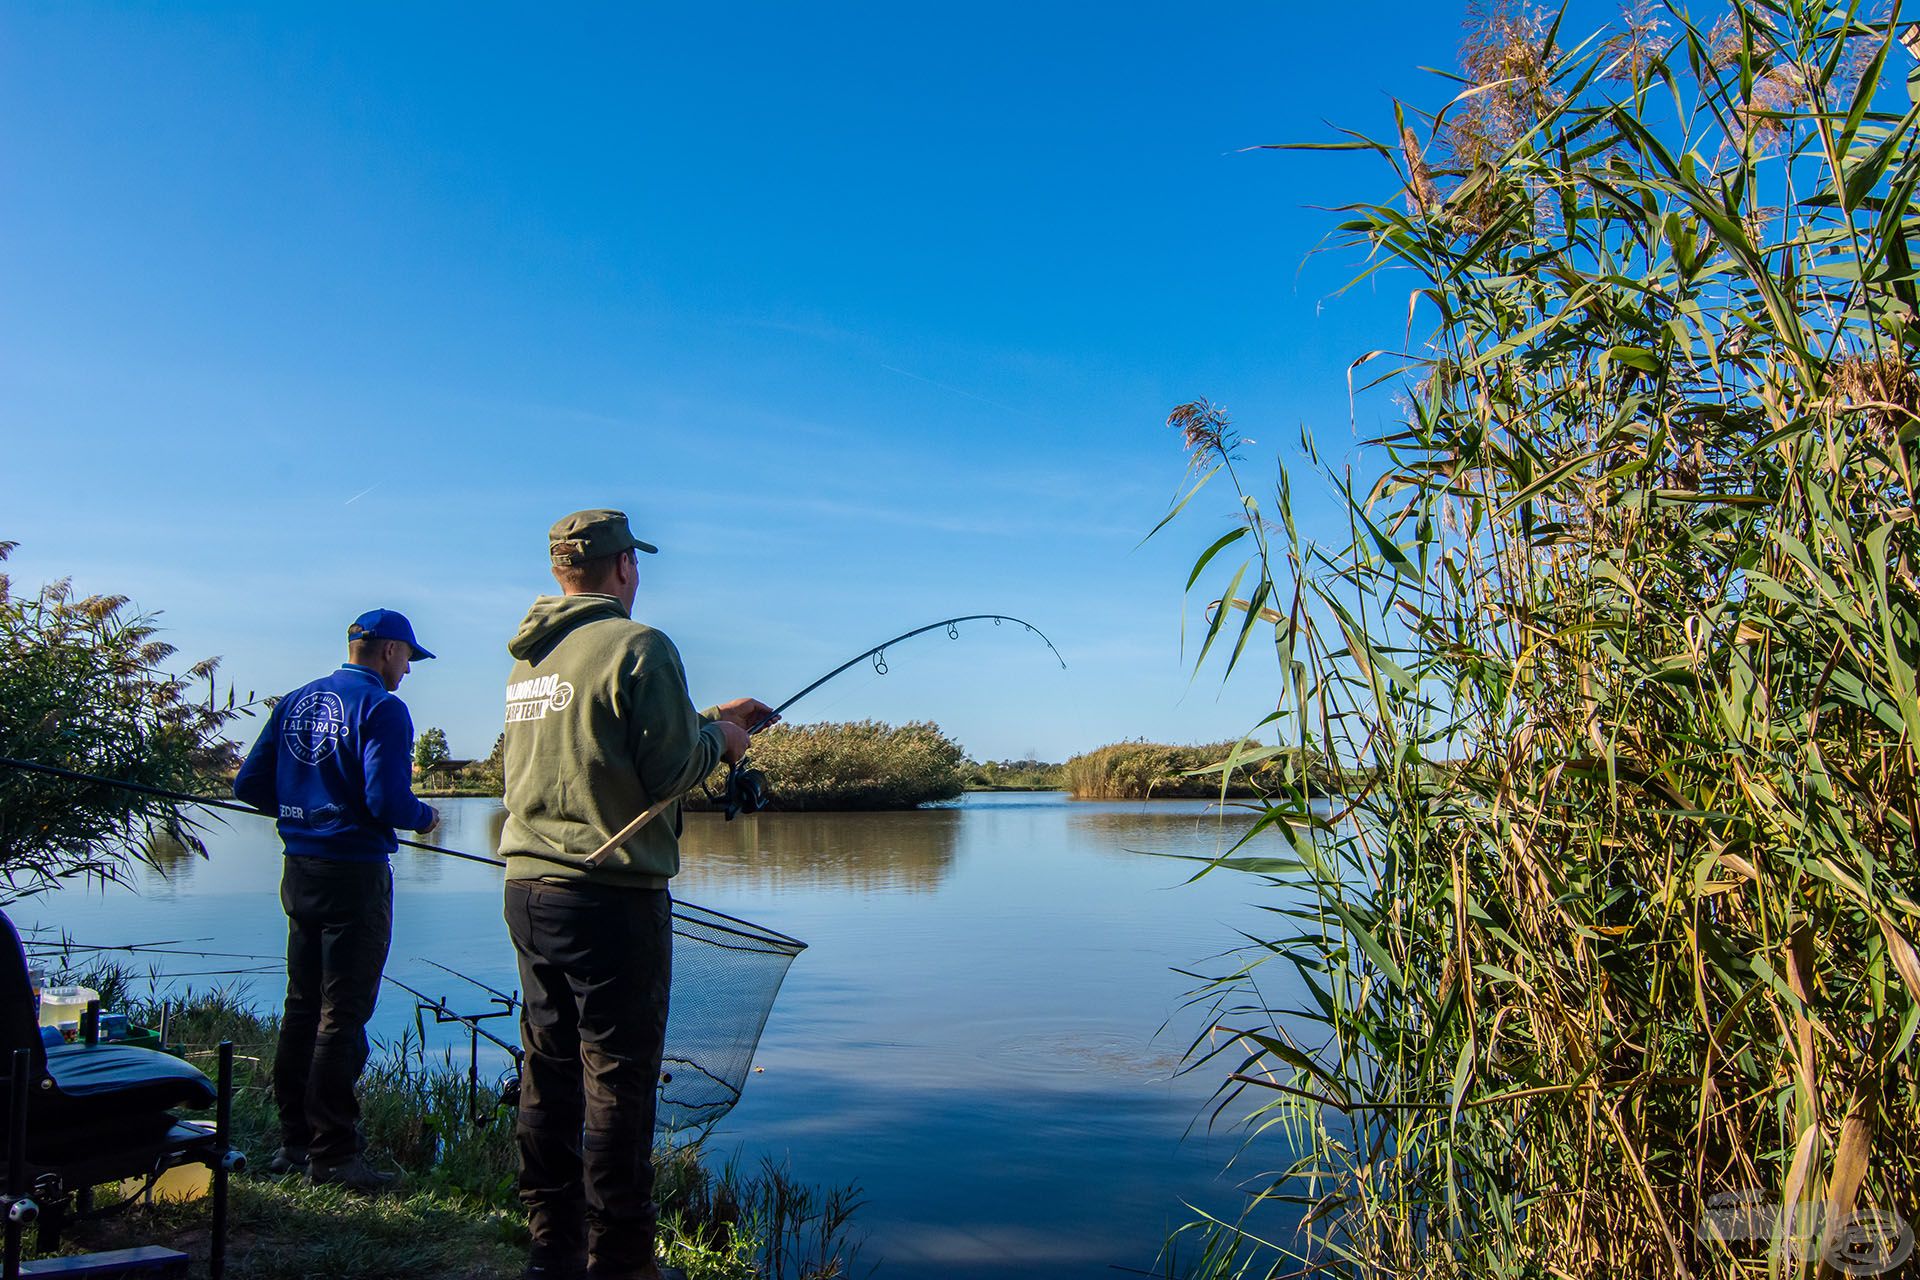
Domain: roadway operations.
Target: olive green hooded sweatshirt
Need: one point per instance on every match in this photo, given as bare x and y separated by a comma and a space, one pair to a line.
599, 727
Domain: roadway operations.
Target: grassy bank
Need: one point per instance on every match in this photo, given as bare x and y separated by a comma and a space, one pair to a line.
455, 1216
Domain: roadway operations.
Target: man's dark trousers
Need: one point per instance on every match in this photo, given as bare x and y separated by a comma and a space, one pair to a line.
596, 966
339, 925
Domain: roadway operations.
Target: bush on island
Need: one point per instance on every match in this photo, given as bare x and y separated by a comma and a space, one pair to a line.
860, 765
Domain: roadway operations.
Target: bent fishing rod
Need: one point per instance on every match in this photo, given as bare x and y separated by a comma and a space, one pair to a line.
746, 789
879, 654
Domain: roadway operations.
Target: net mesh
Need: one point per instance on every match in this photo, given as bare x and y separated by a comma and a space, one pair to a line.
726, 974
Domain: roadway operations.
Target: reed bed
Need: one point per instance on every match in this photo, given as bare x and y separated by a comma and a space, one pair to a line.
1629, 987
1153, 771
856, 765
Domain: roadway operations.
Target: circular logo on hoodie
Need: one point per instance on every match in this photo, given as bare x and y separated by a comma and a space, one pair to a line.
315, 727
532, 699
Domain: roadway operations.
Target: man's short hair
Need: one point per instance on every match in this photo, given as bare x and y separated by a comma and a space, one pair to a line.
363, 646
590, 572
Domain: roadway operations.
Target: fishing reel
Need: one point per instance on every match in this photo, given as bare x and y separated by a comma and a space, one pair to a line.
746, 790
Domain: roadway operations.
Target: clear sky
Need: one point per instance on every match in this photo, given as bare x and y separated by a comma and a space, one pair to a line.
869, 314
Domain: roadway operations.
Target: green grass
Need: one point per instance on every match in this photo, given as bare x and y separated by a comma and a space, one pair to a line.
454, 1216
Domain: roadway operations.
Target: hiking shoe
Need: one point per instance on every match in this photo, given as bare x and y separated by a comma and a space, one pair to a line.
353, 1173
288, 1160
548, 1263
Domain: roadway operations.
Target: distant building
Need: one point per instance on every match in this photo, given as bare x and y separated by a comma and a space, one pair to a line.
446, 768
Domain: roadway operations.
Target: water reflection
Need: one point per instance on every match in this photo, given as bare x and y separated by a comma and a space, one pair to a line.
868, 852
1183, 828
467, 824
984, 1032
862, 851
170, 863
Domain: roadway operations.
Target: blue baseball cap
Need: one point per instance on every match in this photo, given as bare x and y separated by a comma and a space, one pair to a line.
386, 624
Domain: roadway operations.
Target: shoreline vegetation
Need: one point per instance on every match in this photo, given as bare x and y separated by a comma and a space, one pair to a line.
870, 766
455, 1214
865, 766
1628, 986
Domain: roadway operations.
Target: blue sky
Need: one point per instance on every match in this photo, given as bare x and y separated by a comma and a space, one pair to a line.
869, 314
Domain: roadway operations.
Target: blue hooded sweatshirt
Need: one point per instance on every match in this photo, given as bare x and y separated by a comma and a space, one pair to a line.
335, 762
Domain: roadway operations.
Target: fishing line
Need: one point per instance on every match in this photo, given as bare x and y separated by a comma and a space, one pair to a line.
854, 692
512, 1000
137, 949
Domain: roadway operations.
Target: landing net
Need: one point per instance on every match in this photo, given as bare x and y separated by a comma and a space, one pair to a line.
726, 974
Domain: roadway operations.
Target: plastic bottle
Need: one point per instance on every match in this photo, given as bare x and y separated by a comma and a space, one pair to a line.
62, 1005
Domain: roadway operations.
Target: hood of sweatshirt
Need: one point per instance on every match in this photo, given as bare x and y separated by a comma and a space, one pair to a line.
553, 616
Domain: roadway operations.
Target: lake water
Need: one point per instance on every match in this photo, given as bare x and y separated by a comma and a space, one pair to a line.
984, 1033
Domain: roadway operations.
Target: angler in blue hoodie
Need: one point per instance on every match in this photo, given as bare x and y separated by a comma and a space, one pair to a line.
335, 764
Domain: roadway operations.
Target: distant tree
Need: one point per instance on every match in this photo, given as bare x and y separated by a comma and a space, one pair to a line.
82, 688
431, 749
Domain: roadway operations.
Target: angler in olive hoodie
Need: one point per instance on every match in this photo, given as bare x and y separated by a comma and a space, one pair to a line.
599, 729
599, 726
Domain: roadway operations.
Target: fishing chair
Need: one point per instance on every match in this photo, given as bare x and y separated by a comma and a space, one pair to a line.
79, 1115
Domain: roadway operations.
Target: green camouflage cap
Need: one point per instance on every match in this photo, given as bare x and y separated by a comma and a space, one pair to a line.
585, 535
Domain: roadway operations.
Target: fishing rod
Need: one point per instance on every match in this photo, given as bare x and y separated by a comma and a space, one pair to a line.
444, 1013
511, 1001
209, 802
174, 947
746, 790
879, 651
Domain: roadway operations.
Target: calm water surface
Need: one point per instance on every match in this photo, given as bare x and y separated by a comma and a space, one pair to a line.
984, 1033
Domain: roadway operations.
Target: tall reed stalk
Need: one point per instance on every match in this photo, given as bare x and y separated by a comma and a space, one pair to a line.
1629, 986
